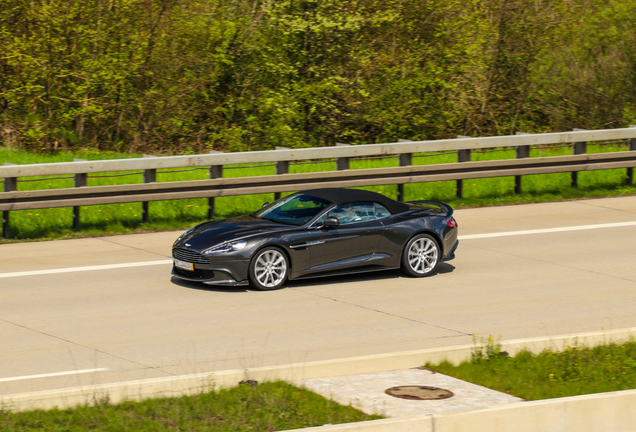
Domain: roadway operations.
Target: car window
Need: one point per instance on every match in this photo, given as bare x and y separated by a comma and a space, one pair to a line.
351, 213
381, 211
293, 209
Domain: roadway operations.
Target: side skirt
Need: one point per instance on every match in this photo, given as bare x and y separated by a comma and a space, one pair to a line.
363, 269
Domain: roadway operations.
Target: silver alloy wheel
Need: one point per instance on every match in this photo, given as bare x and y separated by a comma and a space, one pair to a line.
422, 255
270, 268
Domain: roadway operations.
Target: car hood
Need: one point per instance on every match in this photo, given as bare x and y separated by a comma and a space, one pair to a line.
216, 232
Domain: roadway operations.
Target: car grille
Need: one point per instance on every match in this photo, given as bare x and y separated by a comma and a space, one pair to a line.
189, 256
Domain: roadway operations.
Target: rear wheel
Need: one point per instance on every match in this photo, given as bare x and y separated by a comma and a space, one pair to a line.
268, 269
420, 256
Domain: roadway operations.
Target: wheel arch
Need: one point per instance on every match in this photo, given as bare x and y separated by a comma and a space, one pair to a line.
277, 246
277, 281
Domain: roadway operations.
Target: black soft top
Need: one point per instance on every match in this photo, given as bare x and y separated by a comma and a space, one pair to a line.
343, 196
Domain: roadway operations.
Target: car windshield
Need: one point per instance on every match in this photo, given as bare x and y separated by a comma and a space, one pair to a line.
293, 209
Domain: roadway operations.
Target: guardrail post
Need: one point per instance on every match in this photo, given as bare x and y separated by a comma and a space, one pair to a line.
404, 159
216, 171
522, 153
282, 167
462, 156
10, 185
630, 171
579, 148
342, 163
150, 176
79, 180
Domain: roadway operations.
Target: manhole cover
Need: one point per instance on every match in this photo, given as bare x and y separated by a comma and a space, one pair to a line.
413, 392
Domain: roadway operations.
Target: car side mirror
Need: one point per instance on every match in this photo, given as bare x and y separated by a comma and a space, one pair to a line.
265, 204
331, 222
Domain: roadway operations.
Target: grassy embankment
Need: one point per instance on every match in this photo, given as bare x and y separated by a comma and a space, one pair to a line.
574, 370
266, 407
181, 214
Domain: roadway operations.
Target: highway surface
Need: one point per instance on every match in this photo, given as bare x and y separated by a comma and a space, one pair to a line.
76, 312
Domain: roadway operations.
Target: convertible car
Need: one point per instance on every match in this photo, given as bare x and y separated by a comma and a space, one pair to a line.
315, 233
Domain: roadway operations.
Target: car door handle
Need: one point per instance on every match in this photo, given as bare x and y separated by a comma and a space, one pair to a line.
311, 243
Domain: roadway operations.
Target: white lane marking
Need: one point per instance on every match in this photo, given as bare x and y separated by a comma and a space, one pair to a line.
87, 268
547, 230
461, 237
75, 372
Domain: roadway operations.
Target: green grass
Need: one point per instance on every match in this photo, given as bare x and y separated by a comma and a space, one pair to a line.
181, 214
575, 370
267, 407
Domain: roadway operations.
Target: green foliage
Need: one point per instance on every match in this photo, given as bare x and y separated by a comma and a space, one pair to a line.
194, 75
587, 76
574, 370
267, 407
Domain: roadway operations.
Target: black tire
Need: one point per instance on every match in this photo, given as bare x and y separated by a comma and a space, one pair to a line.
269, 269
421, 256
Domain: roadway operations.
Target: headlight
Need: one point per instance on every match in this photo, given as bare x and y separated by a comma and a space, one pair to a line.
226, 247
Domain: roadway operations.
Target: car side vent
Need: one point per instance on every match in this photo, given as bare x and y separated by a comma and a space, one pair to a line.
189, 256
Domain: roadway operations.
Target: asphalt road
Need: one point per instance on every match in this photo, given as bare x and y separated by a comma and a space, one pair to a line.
550, 273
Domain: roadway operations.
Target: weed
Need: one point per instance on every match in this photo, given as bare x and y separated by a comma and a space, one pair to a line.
266, 407
573, 370
485, 349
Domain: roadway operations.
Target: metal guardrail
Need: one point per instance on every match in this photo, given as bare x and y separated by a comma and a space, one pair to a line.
27, 200
216, 186
338, 152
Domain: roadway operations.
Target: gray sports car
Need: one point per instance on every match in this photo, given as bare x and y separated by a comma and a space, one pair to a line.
316, 233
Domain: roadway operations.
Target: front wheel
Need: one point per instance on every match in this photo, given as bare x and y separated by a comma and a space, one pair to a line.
420, 256
268, 269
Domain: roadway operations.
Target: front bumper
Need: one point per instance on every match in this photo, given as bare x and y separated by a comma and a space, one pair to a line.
221, 270
208, 277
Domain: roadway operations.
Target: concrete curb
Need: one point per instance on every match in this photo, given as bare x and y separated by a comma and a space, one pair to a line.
589, 413
190, 384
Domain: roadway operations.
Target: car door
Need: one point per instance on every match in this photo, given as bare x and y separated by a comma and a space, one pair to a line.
350, 244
